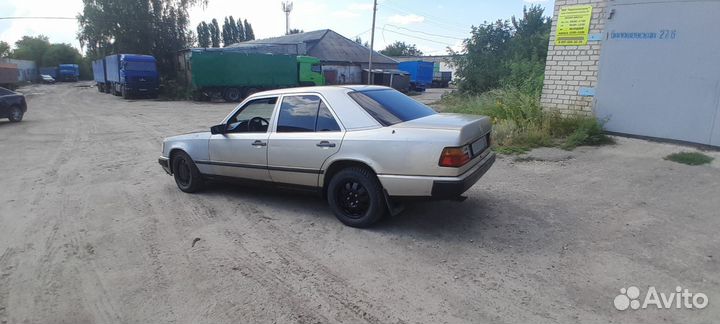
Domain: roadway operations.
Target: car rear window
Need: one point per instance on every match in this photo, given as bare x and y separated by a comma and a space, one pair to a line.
390, 107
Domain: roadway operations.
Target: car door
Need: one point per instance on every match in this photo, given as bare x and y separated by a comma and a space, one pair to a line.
4, 103
306, 134
241, 152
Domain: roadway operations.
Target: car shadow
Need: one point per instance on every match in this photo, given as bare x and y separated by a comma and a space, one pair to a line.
6, 123
485, 217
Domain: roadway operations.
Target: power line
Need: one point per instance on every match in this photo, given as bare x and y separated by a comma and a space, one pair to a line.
440, 24
428, 34
38, 17
417, 37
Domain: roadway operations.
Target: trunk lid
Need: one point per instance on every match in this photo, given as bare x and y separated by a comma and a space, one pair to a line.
471, 127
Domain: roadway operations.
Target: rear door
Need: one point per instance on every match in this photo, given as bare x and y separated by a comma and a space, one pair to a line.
4, 103
306, 134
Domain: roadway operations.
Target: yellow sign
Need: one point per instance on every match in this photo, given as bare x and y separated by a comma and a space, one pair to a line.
573, 25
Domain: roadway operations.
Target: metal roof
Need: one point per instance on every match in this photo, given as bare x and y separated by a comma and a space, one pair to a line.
324, 44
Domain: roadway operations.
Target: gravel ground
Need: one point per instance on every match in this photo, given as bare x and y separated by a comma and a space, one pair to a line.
93, 231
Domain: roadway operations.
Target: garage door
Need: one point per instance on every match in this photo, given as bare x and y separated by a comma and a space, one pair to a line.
660, 70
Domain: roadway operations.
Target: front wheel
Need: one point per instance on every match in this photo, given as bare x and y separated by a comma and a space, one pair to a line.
232, 95
187, 176
355, 196
16, 114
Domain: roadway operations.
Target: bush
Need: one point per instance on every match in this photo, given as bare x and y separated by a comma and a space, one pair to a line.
520, 123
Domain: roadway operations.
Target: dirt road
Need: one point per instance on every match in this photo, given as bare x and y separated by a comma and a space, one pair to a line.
93, 231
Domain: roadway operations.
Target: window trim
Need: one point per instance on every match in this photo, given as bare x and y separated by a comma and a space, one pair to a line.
276, 114
245, 102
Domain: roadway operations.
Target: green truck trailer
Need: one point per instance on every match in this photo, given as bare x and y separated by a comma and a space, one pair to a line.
233, 76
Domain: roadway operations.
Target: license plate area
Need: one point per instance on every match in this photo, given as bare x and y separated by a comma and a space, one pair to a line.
479, 146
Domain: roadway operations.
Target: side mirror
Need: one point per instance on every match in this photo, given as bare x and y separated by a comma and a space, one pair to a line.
218, 129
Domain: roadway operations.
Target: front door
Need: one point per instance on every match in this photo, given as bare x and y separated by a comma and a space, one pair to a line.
307, 133
242, 151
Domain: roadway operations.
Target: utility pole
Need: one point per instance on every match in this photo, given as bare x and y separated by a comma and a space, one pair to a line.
372, 41
287, 7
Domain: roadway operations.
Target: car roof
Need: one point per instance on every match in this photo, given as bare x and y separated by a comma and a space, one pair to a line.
351, 115
321, 89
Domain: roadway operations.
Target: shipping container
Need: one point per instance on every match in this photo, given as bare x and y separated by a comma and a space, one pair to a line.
421, 73
230, 75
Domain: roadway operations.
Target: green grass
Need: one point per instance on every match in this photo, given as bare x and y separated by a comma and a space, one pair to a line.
521, 124
689, 158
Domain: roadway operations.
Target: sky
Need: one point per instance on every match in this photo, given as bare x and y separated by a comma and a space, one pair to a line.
432, 25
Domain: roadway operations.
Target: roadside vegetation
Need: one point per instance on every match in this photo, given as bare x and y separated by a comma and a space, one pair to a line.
501, 72
689, 158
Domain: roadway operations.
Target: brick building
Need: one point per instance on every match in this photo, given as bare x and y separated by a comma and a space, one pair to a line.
646, 68
570, 69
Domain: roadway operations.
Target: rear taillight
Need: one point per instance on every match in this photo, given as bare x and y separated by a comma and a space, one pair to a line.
455, 156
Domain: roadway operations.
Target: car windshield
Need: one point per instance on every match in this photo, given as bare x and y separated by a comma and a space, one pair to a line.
390, 107
140, 66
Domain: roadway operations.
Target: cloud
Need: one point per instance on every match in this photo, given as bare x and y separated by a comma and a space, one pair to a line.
406, 19
59, 31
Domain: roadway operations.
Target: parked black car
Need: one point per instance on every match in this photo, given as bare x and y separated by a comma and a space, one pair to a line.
12, 105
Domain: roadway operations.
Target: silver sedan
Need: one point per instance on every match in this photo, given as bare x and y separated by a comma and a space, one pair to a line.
364, 148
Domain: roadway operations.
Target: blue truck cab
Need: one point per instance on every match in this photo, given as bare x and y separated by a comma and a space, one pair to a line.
421, 74
131, 75
68, 72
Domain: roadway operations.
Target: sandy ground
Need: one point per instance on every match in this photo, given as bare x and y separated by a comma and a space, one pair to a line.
93, 231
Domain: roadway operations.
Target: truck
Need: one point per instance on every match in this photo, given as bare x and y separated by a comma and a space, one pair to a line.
127, 75
233, 75
421, 74
8, 75
441, 79
100, 75
68, 72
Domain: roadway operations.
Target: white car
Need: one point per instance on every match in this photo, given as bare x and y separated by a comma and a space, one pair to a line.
47, 78
364, 148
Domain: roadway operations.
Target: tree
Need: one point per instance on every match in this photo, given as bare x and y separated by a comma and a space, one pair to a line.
215, 33
528, 50
505, 53
4, 49
203, 34
157, 27
31, 48
360, 41
226, 33
480, 64
61, 54
401, 49
295, 31
241, 31
249, 34
234, 32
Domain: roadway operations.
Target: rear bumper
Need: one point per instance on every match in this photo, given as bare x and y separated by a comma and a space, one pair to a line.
454, 188
165, 164
436, 187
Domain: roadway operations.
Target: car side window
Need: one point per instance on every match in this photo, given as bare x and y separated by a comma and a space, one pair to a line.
305, 113
325, 120
254, 117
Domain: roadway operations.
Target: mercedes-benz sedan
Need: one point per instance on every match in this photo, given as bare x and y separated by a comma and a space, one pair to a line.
362, 147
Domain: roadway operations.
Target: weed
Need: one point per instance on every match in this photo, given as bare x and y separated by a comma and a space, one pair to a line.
689, 158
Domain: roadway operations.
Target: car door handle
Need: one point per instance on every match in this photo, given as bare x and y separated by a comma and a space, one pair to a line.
259, 143
325, 144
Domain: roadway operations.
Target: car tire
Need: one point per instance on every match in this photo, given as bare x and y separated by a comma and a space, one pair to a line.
16, 114
186, 174
125, 94
232, 95
355, 196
